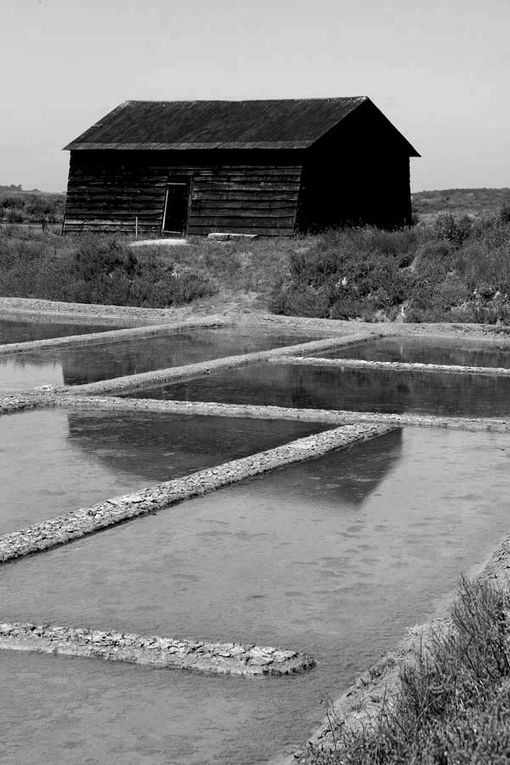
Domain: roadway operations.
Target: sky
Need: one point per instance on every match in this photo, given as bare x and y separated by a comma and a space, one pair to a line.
439, 71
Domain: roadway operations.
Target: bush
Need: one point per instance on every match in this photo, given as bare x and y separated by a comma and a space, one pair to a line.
348, 274
451, 270
93, 270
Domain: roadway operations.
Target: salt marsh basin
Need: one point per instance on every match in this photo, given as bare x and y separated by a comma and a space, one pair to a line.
116, 358
336, 556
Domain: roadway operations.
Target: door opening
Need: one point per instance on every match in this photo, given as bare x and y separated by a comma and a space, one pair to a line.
175, 214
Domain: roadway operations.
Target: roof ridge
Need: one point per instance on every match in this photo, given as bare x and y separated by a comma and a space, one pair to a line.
244, 100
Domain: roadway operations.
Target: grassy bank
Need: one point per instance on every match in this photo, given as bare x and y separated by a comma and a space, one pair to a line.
453, 269
92, 269
454, 700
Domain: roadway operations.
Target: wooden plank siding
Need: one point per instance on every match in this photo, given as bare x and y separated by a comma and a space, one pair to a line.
107, 191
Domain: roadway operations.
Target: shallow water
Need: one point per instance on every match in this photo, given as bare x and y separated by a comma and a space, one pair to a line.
335, 556
53, 461
17, 331
86, 364
423, 350
319, 387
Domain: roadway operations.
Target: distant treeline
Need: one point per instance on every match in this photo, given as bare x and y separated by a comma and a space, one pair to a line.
473, 202
35, 207
18, 205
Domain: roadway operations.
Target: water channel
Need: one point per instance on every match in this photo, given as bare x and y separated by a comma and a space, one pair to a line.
53, 461
20, 331
317, 387
86, 364
335, 556
428, 350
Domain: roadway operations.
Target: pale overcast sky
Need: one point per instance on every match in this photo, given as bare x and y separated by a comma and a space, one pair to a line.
440, 72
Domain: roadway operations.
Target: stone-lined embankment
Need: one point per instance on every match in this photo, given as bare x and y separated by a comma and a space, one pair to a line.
190, 371
154, 651
393, 366
88, 520
19, 403
260, 412
10, 404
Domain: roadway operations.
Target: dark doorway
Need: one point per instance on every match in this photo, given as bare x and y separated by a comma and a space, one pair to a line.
175, 216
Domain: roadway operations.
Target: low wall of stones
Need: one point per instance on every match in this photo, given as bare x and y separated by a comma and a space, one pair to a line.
249, 411
393, 366
94, 338
154, 651
78, 523
190, 371
19, 403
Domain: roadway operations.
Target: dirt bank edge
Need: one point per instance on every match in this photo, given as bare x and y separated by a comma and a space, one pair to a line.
363, 700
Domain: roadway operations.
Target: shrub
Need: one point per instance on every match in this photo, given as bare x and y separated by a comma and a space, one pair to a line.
347, 274
454, 699
93, 270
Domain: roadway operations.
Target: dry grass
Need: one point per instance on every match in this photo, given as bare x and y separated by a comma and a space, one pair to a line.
456, 269
454, 703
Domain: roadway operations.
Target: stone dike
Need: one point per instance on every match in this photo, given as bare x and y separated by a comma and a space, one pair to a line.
20, 403
12, 404
189, 371
393, 366
88, 520
154, 651
259, 412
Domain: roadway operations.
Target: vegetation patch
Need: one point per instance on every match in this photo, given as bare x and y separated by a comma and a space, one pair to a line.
453, 270
35, 207
91, 269
453, 698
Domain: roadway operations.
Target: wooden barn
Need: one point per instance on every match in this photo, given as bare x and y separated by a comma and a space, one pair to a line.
256, 167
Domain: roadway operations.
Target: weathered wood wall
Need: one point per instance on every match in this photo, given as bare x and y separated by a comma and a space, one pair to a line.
357, 173
107, 190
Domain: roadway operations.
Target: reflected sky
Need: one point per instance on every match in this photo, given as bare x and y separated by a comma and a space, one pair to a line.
102, 361
64, 460
335, 556
317, 387
17, 331
423, 350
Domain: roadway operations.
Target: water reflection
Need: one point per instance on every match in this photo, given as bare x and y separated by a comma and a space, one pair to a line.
156, 447
87, 364
17, 331
302, 557
68, 460
425, 350
352, 389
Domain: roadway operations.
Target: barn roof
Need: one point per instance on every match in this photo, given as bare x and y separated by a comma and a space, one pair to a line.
284, 124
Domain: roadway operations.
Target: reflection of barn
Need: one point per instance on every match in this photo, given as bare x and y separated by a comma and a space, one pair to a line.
266, 167
178, 445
